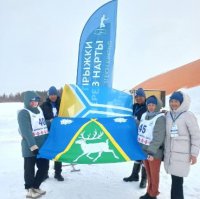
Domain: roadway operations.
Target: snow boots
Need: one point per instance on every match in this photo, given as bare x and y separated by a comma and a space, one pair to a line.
143, 178
59, 177
32, 194
35, 193
147, 196
135, 173
40, 191
58, 170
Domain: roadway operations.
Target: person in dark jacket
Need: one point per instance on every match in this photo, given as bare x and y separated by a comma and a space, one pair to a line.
138, 109
50, 110
33, 129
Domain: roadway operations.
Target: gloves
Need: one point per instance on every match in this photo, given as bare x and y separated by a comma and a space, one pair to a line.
35, 152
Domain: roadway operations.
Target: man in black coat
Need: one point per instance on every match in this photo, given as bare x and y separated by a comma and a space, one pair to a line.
138, 109
50, 110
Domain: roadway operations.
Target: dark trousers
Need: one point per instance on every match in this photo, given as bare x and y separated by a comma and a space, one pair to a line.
32, 179
57, 167
177, 187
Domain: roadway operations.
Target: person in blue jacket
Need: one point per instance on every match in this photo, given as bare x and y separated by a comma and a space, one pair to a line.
33, 130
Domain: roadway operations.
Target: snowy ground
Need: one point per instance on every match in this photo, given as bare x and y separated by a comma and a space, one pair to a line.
92, 182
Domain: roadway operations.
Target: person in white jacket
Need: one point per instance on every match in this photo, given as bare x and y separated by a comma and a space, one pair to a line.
182, 142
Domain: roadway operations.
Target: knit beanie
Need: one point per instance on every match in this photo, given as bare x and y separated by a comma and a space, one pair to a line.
52, 91
140, 92
152, 100
177, 96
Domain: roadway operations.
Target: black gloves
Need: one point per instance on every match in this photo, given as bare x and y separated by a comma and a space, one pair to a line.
35, 152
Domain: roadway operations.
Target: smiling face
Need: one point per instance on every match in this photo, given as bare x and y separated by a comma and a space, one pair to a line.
174, 104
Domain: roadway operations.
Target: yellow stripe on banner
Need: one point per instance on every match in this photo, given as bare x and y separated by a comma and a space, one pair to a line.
72, 140
70, 104
124, 155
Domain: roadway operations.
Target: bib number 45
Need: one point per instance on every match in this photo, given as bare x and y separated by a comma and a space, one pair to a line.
142, 128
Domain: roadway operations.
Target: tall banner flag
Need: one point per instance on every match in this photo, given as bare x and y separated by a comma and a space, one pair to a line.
92, 141
97, 47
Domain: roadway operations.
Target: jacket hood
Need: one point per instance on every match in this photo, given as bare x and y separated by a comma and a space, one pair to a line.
185, 105
28, 95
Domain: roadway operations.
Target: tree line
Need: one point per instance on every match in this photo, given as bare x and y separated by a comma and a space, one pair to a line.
18, 97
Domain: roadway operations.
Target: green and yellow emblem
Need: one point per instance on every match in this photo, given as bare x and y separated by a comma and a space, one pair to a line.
92, 144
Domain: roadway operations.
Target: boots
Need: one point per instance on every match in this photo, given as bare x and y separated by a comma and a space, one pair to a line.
32, 194
144, 178
59, 177
58, 170
40, 191
135, 173
147, 196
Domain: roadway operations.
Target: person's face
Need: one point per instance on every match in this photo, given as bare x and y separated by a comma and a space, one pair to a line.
174, 104
34, 104
151, 107
140, 99
53, 98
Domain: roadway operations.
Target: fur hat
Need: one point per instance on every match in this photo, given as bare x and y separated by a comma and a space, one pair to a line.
177, 96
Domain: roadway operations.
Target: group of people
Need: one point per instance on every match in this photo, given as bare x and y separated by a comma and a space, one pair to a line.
172, 137
34, 124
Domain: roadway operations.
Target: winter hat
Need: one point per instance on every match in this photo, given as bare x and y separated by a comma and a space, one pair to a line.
140, 92
152, 100
177, 96
52, 91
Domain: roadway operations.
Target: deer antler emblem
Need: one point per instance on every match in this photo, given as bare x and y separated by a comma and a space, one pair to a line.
89, 148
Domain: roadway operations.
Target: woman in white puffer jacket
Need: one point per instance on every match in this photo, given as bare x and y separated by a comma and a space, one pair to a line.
182, 142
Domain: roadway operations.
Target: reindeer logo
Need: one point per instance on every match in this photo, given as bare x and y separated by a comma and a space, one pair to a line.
91, 148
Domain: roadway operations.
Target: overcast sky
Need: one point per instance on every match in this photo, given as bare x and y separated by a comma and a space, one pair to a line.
39, 40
